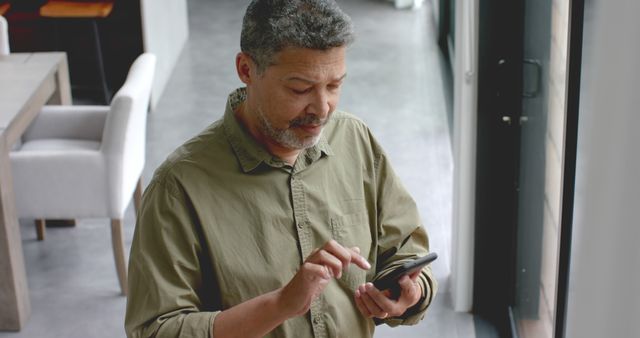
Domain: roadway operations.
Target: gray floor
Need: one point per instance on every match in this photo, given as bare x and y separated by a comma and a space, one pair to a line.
393, 83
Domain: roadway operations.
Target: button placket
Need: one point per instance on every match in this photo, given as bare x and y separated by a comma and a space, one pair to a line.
299, 212
319, 328
306, 246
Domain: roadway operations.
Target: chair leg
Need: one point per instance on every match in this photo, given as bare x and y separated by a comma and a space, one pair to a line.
41, 229
117, 240
137, 196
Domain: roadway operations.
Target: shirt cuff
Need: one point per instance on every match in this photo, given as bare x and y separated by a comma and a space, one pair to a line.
194, 324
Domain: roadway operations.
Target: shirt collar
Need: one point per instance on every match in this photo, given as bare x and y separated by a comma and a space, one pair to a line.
248, 151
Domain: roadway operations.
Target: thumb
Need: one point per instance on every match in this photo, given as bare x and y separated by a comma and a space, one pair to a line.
405, 283
415, 275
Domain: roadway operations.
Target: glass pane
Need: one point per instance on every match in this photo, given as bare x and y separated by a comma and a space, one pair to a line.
540, 186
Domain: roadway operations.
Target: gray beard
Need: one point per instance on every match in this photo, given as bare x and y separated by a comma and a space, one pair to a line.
285, 137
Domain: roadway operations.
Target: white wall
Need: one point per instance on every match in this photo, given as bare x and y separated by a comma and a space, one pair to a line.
465, 83
165, 30
604, 280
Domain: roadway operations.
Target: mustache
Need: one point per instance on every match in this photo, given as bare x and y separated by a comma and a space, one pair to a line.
308, 120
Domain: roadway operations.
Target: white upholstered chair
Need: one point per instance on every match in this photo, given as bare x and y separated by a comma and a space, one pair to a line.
86, 161
4, 36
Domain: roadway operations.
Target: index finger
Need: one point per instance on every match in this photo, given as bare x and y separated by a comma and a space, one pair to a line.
346, 255
358, 259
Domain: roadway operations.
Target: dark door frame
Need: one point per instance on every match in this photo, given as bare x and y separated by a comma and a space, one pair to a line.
576, 24
500, 54
498, 142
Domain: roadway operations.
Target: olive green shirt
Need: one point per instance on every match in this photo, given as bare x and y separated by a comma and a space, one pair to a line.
224, 221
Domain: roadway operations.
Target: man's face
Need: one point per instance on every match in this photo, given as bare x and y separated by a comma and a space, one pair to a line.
294, 97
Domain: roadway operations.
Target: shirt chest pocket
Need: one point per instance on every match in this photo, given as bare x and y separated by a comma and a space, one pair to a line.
353, 230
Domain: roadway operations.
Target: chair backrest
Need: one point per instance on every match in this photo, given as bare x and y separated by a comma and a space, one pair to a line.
4, 36
124, 135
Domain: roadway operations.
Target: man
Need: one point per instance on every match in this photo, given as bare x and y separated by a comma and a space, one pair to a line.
275, 219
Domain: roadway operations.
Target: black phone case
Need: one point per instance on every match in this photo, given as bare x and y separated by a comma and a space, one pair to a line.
390, 281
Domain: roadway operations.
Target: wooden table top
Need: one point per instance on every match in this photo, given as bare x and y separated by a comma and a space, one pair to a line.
22, 75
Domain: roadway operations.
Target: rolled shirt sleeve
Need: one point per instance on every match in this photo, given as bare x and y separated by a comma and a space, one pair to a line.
401, 236
165, 273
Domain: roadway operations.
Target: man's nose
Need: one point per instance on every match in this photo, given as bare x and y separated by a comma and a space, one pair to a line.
320, 104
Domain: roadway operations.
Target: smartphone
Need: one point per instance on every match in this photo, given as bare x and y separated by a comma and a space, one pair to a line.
390, 281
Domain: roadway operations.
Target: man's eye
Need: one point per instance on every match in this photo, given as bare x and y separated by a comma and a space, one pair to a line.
301, 91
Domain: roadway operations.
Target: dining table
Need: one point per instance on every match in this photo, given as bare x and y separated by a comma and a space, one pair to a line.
28, 81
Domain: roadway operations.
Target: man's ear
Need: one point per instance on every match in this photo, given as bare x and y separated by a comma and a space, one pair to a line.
245, 68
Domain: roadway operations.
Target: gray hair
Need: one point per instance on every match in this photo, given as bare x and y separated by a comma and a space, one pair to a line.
269, 26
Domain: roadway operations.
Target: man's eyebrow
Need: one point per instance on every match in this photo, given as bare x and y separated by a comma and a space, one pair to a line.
299, 78
342, 77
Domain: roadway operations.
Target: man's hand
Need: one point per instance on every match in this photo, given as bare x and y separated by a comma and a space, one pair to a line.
375, 303
315, 273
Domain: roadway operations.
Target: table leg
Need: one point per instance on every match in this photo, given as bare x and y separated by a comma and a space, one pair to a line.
14, 294
62, 95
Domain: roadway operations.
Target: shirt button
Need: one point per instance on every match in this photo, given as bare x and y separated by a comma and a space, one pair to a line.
316, 320
299, 225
